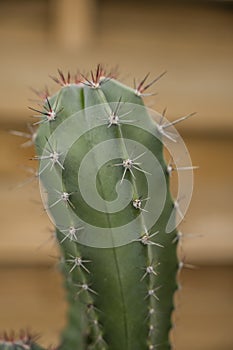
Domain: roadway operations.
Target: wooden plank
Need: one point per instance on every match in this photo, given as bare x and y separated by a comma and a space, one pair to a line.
193, 42
26, 238
34, 298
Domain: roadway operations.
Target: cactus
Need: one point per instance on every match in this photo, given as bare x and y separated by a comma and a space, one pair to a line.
105, 185
23, 341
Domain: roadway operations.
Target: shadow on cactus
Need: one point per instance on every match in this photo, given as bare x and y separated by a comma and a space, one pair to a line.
105, 185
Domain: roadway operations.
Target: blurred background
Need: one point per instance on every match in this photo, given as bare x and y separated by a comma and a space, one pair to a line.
192, 40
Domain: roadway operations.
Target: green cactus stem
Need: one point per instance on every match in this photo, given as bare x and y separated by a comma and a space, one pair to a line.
102, 169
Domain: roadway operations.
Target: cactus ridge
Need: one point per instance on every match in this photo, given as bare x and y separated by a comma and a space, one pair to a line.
120, 285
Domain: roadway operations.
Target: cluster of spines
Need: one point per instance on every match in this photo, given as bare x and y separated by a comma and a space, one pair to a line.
22, 341
94, 79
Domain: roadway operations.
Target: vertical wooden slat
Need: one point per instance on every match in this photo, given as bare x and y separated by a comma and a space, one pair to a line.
73, 22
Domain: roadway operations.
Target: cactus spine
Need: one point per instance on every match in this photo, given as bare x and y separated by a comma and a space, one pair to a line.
120, 278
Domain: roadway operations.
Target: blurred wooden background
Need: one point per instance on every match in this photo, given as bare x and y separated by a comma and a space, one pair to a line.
193, 42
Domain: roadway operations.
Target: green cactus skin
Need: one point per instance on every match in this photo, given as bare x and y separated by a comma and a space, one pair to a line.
119, 297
